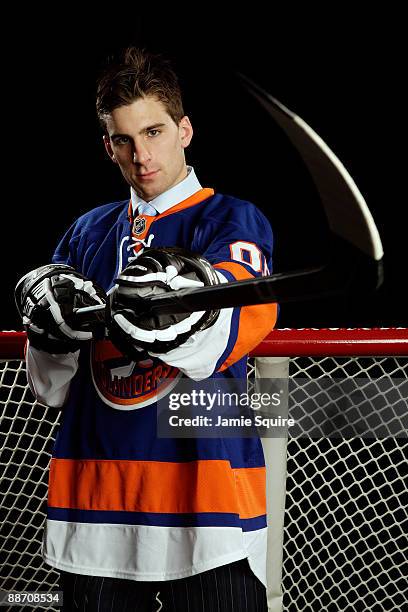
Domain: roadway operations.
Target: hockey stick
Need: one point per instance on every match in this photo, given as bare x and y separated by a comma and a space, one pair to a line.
348, 270
346, 210
355, 245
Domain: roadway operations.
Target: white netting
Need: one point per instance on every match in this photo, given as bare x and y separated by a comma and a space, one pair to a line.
346, 517
346, 503
27, 432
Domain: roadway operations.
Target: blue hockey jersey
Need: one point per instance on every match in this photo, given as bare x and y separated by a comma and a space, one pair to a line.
123, 502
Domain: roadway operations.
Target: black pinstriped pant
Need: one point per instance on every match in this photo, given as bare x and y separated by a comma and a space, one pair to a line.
229, 588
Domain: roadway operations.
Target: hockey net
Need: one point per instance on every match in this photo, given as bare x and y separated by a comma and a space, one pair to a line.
345, 516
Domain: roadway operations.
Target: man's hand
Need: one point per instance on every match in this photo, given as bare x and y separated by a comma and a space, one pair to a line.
132, 327
46, 299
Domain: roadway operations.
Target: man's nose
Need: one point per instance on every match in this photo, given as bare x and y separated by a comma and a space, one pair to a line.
141, 154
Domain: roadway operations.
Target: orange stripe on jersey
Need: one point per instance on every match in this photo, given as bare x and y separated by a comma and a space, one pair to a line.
157, 486
196, 198
255, 322
146, 221
236, 269
251, 487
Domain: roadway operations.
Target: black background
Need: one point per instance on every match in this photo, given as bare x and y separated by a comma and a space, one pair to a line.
342, 74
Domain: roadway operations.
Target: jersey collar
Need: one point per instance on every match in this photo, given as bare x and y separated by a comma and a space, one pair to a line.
173, 196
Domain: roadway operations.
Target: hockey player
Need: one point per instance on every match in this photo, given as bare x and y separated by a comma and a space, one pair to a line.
131, 514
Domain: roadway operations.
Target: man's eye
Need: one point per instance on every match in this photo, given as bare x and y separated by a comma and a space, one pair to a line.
121, 140
153, 132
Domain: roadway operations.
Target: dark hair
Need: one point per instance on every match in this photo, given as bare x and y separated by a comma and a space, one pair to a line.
135, 74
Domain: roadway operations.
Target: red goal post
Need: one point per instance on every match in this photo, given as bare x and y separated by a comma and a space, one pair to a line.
287, 342
350, 342
336, 506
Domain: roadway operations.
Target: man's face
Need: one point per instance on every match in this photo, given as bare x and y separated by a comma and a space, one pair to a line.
148, 146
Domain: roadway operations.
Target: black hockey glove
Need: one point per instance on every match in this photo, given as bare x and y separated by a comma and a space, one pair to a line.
157, 270
46, 299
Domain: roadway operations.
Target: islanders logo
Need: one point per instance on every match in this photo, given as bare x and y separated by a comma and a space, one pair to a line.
125, 384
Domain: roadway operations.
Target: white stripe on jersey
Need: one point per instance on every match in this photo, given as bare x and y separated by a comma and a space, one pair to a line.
145, 552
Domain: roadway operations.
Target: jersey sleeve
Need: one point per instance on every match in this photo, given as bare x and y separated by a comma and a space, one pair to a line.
240, 247
66, 251
238, 243
49, 376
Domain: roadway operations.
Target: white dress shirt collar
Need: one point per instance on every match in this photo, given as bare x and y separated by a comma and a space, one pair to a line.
183, 190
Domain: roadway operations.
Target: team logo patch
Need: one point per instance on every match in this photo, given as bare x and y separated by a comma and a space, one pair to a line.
139, 225
128, 385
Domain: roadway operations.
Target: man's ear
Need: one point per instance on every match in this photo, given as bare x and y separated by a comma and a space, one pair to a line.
108, 148
185, 131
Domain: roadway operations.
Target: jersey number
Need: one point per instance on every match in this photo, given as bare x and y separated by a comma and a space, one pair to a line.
248, 253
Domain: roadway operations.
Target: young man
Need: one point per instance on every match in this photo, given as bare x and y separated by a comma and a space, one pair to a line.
131, 514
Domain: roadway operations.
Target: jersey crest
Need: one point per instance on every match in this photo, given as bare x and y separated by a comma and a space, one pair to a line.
139, 226
125, 384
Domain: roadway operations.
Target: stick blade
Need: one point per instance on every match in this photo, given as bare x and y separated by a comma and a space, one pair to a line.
346, 209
